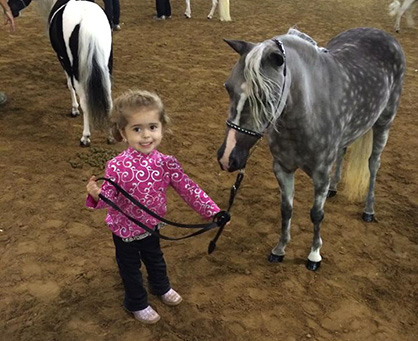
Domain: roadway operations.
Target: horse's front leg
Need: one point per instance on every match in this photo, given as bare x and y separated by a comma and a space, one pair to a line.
188, 12
286, 182
212, 10
74, 104
321, 185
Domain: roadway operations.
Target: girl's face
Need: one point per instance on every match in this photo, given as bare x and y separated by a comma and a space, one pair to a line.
144, 131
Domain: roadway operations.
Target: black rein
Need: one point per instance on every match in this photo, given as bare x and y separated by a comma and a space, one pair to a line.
220, 219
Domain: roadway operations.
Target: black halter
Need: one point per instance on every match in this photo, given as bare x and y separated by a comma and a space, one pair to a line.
251, 132
243, 130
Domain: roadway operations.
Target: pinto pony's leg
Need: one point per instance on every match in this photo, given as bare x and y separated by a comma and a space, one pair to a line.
85, 138
286, 183
188, 12
212, 10
336, 177
74, 104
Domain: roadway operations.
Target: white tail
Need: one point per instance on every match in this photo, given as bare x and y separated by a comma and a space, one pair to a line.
357, 174
224, 14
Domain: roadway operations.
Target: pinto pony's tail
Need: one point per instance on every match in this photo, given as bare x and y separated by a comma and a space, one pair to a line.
224, 10
357, 174
95, 71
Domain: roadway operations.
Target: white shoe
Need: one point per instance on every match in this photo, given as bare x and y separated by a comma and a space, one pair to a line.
147, 315
171, 297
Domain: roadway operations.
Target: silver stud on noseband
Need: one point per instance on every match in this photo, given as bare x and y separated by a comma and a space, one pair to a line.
243, 130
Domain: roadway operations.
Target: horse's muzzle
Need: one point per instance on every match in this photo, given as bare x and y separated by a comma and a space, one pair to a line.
236, 160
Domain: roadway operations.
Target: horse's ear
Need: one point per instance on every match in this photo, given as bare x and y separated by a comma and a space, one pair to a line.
240, 46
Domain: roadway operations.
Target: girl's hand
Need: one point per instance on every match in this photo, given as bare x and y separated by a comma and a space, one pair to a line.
222, 217
8, 19
93, 189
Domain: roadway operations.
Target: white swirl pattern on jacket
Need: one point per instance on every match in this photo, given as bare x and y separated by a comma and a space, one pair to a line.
146, 178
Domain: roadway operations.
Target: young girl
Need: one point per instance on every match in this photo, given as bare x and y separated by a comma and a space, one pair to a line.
139, 119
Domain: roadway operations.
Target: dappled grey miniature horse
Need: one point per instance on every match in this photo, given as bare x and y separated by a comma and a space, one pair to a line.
81, 36
312, 103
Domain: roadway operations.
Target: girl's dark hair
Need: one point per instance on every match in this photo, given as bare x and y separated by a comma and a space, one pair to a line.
131, 102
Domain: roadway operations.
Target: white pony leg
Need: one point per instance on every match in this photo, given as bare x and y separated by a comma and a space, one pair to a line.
212, 10
85, 139
74, 104
188, 12
224, 10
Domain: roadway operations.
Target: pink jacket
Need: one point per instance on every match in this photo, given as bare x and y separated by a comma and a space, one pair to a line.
146, 178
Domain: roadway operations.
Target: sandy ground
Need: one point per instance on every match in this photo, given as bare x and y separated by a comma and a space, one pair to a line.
59, 279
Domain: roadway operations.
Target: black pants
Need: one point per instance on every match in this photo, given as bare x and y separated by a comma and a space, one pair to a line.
163, 8
112, 9
129, 257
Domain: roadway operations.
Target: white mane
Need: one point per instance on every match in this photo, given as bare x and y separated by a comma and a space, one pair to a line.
264, 109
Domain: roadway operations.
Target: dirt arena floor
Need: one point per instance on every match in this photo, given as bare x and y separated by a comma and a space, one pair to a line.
58, 277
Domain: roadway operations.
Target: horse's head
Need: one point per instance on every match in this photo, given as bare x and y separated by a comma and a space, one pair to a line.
255, 88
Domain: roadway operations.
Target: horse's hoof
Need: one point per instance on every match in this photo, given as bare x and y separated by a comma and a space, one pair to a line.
313, 266
332, 193
275, 259
367, 217
85, 143
187, 16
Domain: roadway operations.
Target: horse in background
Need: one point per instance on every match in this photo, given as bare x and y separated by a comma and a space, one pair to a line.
395, 9
224, 14
311, 103
81, 36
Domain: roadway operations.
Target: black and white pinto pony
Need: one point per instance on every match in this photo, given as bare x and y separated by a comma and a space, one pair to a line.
224, 14
396, 10
312, 103
81, 35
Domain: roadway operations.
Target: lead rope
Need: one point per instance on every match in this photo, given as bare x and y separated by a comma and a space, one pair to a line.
233, 193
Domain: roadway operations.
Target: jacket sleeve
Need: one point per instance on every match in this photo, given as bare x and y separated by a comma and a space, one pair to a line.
189, 191
108, 190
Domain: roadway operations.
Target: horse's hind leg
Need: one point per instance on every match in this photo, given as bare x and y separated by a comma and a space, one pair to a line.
336, 176
74, 104
286, 182
321, 184
212, 10
85, 139
188, 12
380, 137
